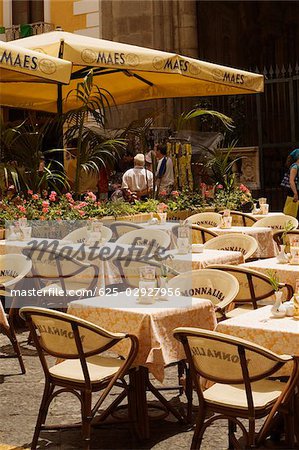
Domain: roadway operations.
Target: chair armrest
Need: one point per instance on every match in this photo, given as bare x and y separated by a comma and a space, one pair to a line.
289, 288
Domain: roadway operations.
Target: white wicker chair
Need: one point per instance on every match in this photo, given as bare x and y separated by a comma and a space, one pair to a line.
219, 287
240, 388
13, 269
243, 243
145, 237
205, 219
276, 222
84, 366
81, 234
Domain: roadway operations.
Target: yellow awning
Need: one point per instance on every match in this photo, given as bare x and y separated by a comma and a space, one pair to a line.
18, 64
128, 72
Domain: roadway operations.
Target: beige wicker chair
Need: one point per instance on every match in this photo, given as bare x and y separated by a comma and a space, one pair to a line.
145, 237
241, 219
84, 368
276, 222
61, 277
81, 234
219, 287
205, 219
254, 288
239, 371
243, 243
13, 269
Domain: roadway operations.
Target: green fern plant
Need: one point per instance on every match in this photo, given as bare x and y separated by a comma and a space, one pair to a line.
94, 150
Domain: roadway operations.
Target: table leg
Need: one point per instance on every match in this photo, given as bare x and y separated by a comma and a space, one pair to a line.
138, 409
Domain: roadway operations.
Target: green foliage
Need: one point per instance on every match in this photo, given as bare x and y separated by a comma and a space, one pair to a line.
179, 201
232, 199
21, 151
149, 205
118, 208
221, 164
94, 149
180, 122
273, 278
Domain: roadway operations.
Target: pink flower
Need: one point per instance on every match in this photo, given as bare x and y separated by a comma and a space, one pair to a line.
219, 186
45, 210
69, 197
29, 192
163, 193
243, 188
82, 213
45, 204
21, 208
59, 212
162, 207
175, 193
35, 196
52, 196
91, 196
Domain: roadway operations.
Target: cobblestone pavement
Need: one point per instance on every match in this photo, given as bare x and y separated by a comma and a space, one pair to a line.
20, 396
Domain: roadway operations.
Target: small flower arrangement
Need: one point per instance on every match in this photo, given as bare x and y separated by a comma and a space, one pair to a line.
162, 207
274, 280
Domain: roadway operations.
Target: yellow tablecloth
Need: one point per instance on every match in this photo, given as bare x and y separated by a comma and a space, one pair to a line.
263, 235
287, 273
281, 335
153, 325
193, 261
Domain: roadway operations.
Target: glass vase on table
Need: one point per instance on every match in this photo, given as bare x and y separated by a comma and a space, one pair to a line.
147, 285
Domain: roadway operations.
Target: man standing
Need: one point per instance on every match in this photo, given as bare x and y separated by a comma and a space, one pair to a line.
164, 172
138, 180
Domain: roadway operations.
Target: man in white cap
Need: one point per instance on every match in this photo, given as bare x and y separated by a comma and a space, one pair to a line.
138, 180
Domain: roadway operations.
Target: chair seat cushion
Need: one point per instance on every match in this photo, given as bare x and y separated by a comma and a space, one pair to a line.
100, 368
264, 393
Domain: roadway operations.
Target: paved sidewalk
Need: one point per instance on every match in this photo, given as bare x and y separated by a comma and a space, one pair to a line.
20, 396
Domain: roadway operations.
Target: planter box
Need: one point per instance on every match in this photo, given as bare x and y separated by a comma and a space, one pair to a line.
2, 233
136, 218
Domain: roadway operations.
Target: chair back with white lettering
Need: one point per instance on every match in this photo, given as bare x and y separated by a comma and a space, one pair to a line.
234, 242
219, 287
226, 359
276, 222
121, 227
59, 274
58, 330
238, 373
205, 219
81, 235
146, 238
254, 286
13, 268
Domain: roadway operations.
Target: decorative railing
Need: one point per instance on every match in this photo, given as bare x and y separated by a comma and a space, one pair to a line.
25, 30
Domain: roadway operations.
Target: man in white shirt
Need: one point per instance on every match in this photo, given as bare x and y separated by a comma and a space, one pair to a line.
164, 172
138, 179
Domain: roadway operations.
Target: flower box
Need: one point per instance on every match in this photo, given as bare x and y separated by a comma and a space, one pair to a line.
136, 218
